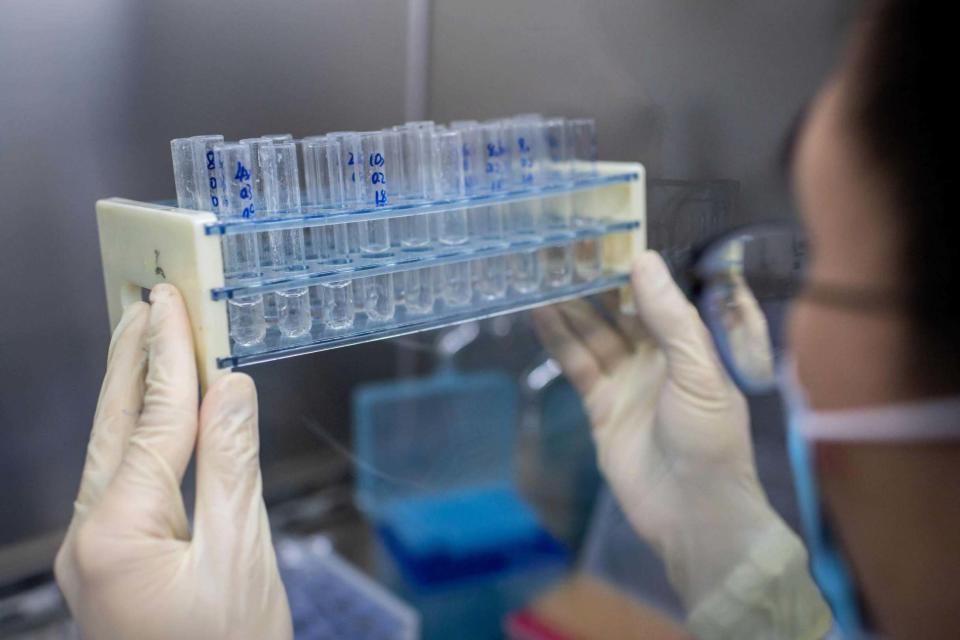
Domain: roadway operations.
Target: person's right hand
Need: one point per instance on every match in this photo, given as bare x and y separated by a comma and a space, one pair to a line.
671, 430
130, 567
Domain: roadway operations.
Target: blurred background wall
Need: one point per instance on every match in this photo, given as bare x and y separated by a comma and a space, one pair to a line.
93, 90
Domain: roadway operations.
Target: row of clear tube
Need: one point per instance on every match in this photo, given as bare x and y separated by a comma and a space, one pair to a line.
275, 176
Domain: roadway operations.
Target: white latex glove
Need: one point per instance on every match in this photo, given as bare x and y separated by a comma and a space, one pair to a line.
129, 566
748, 336
673, 443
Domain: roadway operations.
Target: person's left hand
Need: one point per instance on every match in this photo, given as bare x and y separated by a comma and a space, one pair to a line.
129, 565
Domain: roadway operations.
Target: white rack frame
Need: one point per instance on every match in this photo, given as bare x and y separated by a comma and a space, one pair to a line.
143, 244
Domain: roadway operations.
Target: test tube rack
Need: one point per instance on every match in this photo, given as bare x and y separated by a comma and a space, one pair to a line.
143, 244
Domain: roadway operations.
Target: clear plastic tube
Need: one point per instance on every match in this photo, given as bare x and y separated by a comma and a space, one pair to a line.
526, 149
452, 229
263, 238
415, 148
582, 141
233, 191
417, 164
323, 176
281, 192
558, 159
582, 138
184, 173
447, 184
378, 174
349, 165
556, 261
206, 173
473, 166
415, 235
496, 160
492, 274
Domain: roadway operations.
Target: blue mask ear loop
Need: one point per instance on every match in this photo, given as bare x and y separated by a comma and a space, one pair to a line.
828, 564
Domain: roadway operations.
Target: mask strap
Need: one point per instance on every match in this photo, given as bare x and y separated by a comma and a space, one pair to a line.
927, 421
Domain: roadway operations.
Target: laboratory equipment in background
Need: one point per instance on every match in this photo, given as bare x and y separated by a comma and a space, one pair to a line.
332, 600
34, 609
329, 598
683, 214
559, 473
589, 609
615, 553
435, 474
284, 246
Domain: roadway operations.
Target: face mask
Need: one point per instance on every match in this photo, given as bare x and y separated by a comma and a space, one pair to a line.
937, 420
827, 563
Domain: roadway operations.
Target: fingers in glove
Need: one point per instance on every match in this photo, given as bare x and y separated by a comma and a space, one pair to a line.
606, 343
576, 360
675, 325
748, 336
230, 517
163, 439
119, 405
628, 324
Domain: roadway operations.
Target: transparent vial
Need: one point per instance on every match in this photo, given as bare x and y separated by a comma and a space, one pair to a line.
490, 274
525, 271
491, 278
453, 229
337, 305
418, 292
263, 238
379, 301
557, 261
280, 177
457, 284
207, 174
379, 175
184, 173
557, 266
588, 254
588, 259
581, 139
247, 326
241, 259
332, 302
524, 265
294, 318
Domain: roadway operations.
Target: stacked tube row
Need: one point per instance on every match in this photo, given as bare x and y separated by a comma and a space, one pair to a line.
276, 176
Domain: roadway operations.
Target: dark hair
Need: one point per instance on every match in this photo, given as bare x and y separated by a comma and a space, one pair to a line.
902, 77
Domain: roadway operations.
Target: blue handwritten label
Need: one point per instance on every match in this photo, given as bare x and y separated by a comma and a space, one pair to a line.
242, 174
526, 160
377, 161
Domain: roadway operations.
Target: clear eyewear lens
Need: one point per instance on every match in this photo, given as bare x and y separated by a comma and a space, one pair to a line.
748, 279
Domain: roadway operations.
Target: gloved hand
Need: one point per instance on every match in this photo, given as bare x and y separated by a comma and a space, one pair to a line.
129, 566
673, 443
747, 334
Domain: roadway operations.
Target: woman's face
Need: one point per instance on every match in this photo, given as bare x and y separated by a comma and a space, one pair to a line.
845, 357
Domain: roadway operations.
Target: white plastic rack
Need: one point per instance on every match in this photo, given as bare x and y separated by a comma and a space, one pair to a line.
143, 244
